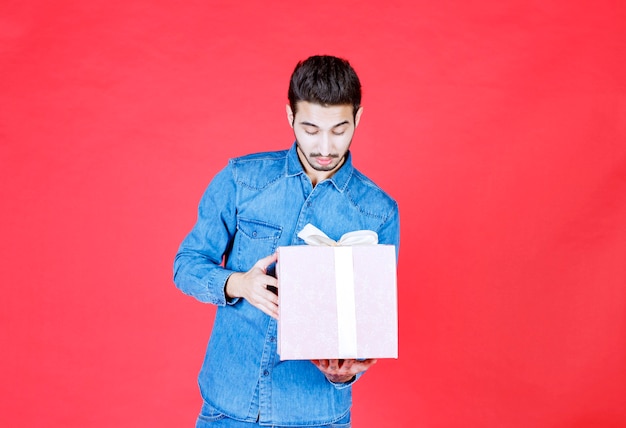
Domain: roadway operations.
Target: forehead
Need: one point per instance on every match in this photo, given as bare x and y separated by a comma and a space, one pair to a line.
322, 115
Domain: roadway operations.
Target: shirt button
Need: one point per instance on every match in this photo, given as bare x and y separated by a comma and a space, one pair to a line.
254, 233
266, 373
272, 339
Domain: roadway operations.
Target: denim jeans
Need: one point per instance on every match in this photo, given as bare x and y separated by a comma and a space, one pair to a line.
212, 418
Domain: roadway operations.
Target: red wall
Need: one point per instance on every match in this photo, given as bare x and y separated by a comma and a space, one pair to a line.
500, 127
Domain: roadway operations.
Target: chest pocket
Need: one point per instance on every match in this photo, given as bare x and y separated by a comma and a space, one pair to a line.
253, 241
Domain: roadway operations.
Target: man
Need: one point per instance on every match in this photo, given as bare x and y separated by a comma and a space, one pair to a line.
254, 205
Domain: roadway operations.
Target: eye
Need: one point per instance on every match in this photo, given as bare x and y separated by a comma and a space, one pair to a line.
340, 131
311, 130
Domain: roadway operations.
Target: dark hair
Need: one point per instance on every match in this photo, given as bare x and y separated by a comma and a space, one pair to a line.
324, 80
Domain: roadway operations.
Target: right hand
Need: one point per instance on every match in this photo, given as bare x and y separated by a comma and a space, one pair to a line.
252, 286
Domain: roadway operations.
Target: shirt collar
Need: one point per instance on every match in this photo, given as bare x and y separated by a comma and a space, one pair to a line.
340, 178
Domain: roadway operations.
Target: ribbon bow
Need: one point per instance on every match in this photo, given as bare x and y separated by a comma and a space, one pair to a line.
313, 236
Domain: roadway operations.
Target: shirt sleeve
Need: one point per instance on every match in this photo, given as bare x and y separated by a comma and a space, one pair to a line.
198, 267
389, 233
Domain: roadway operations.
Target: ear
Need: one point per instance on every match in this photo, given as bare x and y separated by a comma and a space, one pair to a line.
357, 116
290, 115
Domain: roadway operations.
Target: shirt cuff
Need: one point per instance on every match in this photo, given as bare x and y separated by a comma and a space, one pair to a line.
347, 384
220, 277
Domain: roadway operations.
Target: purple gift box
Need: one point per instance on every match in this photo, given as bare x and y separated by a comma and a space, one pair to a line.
337, 302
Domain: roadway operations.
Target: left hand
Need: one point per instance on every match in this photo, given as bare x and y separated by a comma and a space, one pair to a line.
341, 371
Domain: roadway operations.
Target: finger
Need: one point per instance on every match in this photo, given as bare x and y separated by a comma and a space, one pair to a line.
266, 261
370, 362
269, 308
258, 293
272, 312
271, 301
261, 288
270, 280
269, 312
265, 298
266, 293
362, 365
322, 364
345, 365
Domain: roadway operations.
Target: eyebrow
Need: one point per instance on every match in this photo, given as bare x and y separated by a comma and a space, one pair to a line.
345, 122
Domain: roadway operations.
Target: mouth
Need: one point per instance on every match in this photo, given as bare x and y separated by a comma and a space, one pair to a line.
324, 161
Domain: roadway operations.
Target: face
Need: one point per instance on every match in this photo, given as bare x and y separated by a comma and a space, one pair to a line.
323, 136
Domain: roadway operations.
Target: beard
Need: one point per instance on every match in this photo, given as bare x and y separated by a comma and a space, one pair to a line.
335, 164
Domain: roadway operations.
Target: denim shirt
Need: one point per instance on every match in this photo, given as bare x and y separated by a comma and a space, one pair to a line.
254, 205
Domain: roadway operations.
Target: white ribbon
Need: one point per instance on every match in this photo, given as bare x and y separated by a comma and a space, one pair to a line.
313, 236
344, 280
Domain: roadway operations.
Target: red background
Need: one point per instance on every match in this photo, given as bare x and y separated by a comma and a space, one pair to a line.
499, 126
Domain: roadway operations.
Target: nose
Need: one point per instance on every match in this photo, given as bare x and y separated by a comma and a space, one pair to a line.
324, 144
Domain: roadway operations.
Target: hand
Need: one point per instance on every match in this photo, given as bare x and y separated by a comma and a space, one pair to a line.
341, 371
252, 286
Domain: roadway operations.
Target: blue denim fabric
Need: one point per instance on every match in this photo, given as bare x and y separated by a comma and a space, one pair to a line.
212, 418
254, 205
